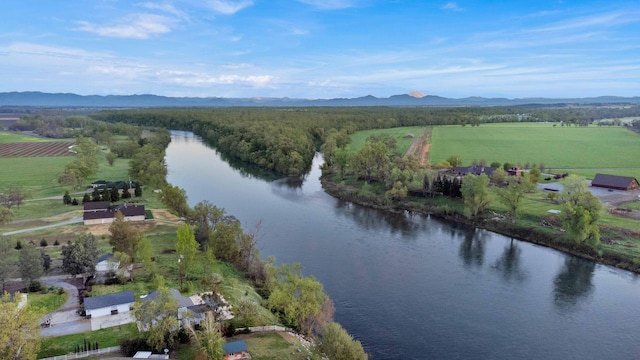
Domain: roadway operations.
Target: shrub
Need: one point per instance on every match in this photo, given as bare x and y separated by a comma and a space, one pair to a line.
35, 287
18, 245
44, 243
56, 243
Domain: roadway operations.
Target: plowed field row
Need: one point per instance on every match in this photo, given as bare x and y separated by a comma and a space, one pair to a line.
29, 149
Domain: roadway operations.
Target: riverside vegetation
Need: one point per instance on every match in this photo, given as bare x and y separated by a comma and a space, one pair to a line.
217, 254
283, 140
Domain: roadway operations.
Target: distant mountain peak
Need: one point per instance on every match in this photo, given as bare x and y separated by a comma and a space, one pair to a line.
416, 94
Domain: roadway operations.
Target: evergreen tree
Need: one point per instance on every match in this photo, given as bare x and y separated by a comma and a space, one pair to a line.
66, 199
138, 189
125, 190
86, 198
95, 195
115, 194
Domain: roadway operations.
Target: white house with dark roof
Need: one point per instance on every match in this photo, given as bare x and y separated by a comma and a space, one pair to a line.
110, 310
106, 263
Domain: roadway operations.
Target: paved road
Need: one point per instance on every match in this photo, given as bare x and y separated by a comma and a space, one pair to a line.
68, 222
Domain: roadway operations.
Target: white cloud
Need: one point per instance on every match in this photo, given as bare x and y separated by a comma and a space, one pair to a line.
330, 4
135, 26
167, 8
228, 7
451, 6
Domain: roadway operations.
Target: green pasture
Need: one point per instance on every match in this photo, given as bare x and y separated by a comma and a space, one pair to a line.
9, 137
624, 120
36, 175
402, 142
588, 148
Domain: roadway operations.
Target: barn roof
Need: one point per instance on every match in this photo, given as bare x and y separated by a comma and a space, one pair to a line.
612, 181
97, 302
110, 212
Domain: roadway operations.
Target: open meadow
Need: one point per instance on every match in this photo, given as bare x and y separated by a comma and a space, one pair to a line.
403, 142
583, 149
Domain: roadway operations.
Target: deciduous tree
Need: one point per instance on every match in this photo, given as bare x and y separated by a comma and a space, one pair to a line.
336, 343
8, 266
124, 237
80, 256
511, 197
186, 247
475, 194
31, 263
580, 211
20, 331
175, 199
298, 299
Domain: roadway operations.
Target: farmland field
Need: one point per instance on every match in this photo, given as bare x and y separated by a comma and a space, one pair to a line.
28, 149
586, 148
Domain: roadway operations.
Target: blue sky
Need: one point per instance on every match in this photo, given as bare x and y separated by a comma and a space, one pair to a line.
321, 48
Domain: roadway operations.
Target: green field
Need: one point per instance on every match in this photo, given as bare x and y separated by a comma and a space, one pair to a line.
402, 142
586, 149
8, 137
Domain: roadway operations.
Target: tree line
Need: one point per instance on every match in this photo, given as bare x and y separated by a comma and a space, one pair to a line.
284, 140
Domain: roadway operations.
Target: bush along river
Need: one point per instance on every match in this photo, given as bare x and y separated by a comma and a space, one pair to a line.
416, 287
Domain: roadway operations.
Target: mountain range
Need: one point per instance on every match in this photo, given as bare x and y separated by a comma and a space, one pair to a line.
413, 99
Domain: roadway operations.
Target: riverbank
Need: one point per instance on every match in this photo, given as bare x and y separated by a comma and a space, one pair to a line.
549, 236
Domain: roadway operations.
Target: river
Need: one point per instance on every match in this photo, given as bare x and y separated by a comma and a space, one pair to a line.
415, 287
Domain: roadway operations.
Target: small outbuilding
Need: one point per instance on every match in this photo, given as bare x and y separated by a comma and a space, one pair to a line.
236, 350
615, 182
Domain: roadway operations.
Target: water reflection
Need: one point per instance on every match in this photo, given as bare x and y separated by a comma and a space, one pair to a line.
472, 248
573, 282
509, 263
378, 220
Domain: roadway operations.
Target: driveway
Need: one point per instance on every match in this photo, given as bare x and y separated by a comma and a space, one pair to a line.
65, 320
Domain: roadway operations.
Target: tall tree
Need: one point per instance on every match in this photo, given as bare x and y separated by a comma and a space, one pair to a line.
175, 199
336, 343
124, 237
511, 197
475, 194
298, 299
580, 211
80, 256
31, 263
8, 268
186, 248
20, 331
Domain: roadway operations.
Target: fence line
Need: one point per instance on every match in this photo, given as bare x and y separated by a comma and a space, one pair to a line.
84, 354
264, 329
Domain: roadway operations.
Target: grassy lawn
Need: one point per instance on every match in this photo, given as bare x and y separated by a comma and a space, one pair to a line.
556, 147
632, 205
276, 346
61, 345
46, 303
359, 138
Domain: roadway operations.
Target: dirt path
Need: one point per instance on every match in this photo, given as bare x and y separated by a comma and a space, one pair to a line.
420, 147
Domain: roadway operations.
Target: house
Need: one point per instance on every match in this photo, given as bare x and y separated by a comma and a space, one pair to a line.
615, 182
236, 350
473, 169
110, 310
515, 171
101, 212
106, 263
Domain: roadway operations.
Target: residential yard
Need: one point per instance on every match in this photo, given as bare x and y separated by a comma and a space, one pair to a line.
61, 345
